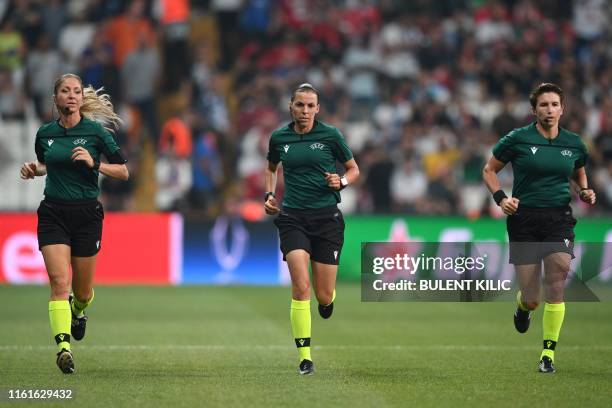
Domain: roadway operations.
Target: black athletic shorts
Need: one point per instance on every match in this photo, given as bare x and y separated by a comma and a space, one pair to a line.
320, 232
76, 224
535, 233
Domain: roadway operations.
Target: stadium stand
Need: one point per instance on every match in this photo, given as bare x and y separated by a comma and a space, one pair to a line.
421, 90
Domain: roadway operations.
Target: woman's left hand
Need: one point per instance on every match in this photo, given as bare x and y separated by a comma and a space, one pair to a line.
588, 196
333, 180
81, 154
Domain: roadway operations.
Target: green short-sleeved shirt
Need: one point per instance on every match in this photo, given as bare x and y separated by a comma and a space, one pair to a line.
306, 158
542, 167
68, 180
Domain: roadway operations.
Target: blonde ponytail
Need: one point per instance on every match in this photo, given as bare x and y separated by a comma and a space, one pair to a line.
98, 106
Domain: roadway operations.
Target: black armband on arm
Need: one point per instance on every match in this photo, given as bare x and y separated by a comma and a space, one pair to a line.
498, 196
117, 158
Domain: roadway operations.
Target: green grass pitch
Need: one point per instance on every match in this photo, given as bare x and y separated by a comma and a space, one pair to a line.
232, 346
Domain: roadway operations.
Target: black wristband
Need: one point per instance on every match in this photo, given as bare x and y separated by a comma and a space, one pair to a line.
584, 188
267, 195
96, 165
498, 196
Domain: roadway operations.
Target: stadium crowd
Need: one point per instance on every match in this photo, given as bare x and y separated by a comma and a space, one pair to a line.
421, 90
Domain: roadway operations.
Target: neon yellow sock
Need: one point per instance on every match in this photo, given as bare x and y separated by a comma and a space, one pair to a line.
519, 302
333, 298
552, 320
60, 318
78, 307
300, 326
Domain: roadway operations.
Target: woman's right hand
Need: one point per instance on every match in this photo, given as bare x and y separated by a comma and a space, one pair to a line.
271, 206
509, 205
28, 171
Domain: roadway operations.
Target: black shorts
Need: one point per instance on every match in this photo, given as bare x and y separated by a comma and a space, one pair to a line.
535, 233
320, 232
78, 225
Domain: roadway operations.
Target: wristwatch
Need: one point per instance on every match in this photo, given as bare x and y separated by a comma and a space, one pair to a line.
343, 182
267, 195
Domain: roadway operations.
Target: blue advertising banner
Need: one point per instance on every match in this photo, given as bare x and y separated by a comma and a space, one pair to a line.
230, 250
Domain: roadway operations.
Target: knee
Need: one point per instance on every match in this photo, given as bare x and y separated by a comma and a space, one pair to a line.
83, 295
301, 290
531, 305
562, 268
557, 264
325, 296
60, 287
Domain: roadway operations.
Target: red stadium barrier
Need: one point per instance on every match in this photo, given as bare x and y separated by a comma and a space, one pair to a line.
136, 249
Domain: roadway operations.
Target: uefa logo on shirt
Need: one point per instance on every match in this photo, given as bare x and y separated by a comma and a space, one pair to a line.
319, 146
567, 153
80, 142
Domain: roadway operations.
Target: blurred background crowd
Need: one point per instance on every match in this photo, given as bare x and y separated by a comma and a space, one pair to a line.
420, 89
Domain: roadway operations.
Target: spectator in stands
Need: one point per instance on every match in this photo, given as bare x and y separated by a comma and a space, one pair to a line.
44, 65
125, 31
12, 100
140, 74
173, 166
207, 171
12, 51
75, 37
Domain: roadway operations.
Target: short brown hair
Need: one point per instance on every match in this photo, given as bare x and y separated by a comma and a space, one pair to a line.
305, 87
544, 88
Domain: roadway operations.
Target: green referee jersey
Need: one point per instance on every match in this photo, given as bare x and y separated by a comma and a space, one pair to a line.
306, 157
542, 167
68, 180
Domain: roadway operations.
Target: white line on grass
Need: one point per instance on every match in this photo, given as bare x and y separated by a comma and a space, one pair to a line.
348, 347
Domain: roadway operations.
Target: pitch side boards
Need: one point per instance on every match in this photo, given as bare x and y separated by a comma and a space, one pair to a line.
591, 233
136, 249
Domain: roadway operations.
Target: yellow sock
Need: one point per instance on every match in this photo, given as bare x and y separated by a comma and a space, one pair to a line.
78, 307
552, 320
519, 302
300, 326
60, 318
333, 298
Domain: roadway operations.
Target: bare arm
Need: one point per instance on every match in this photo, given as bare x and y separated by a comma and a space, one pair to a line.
586, 194
118, 171
352, 175
352, 171
271, 206
489, 175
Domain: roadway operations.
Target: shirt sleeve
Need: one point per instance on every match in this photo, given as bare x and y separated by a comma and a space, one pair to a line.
504, 149
583, 157
40, 154
273, 155
341, 150
110, 148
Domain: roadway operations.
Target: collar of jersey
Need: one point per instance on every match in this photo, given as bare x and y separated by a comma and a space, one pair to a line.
291, 127
74, 127
553, 140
